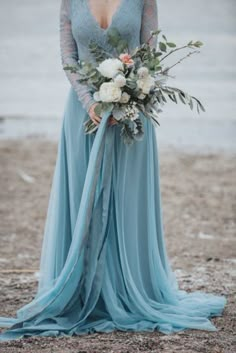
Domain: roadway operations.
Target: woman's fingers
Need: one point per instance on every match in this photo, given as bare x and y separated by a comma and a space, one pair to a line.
112, 121
97, 119
93, 116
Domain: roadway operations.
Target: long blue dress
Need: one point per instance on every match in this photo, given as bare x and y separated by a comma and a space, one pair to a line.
104, 264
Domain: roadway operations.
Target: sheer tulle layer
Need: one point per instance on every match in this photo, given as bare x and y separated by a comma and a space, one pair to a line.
104, 264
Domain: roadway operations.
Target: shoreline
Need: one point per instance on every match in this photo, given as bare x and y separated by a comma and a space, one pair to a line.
185, 135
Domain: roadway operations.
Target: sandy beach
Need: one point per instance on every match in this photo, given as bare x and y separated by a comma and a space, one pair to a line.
199, 209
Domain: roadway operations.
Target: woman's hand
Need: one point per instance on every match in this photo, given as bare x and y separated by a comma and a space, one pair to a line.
112, 121
93, 116
97, 119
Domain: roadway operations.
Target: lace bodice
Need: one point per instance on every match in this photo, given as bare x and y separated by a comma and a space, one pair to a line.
133, 18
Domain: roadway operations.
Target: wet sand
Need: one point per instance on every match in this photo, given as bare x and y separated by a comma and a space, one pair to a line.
199, 210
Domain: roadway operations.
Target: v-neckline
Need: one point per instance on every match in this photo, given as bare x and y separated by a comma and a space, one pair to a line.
112, 18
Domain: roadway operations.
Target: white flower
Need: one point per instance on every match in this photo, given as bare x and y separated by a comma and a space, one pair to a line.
120, 80
109, 92
124, 97
96, 96
110, 67
142, 72
145, 84
131, 111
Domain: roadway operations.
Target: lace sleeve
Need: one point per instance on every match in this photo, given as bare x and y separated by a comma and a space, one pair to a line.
69, 55
149, 21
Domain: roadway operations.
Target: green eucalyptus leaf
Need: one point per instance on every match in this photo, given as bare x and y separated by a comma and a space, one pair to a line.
198, 109
127, 134
158, 53
162, 46
198, 44
158, 68
98, 109
118, 113
191, 104
131, 83
201, 106
107, 106
181, 98
164, 37
122, 45
171, 45
172, 97
162, 97
139, 126
156, 32
113, 36
71, 68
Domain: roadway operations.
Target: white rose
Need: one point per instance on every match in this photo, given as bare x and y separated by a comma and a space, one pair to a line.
96, 96
120, 80
109, 92
143, 72
124, 97
145, 84
110, 67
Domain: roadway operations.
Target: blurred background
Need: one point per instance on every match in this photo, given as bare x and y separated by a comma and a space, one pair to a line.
34, 88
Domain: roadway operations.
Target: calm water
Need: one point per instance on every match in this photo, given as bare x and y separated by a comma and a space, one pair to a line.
33, 85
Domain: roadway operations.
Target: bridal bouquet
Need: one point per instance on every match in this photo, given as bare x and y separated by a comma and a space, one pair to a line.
127, 83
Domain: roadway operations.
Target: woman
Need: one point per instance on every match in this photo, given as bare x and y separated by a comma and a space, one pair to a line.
104, 264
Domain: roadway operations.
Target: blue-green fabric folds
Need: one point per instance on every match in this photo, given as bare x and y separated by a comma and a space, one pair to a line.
104, 264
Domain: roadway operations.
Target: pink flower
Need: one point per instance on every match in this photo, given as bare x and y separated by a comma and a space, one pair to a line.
126, 59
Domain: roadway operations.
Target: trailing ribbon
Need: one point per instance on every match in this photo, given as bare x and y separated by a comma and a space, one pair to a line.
87, 252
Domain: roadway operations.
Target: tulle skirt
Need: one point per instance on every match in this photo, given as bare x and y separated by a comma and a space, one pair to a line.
104, 264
